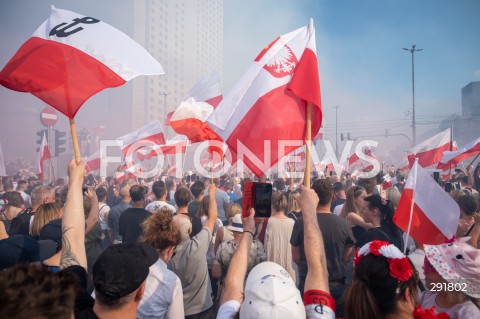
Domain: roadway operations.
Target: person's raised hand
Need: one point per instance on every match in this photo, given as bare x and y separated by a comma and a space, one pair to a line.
249, 222
307, 199
76, 171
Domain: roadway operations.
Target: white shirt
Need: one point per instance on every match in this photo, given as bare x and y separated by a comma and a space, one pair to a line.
158, 204
338, 209
163, 296
102, 210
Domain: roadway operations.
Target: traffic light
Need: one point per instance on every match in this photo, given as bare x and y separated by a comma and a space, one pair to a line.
341, 137
59, 141
40, 135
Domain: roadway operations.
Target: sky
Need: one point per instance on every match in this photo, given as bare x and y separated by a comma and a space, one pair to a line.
363, 69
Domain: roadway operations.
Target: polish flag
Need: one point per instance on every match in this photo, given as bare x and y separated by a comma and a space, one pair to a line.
71, 57
3, 172
189, 118
269, 103
92, 163
147, 135
451, 159
430, 151
208, 90
355, 163
43, 155
175, 146
426, 210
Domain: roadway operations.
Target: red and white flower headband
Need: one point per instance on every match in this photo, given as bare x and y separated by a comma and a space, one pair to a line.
400, 267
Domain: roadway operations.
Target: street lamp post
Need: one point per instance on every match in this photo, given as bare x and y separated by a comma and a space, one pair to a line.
164, 93
336, 129
414, 132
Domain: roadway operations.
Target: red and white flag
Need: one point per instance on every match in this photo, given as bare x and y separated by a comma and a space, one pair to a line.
71, 57
208, 90
149, 134
430, 151
3, 171
43, 155
189, 118
355, 163
426, 210
451, 159
269, 103
92, 163
174, 146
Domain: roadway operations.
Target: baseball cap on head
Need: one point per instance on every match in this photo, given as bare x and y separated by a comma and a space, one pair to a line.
271, 293
24, 249
122, 268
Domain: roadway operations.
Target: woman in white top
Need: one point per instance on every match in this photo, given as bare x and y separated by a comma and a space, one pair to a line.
278, 233
103, 211
163, 296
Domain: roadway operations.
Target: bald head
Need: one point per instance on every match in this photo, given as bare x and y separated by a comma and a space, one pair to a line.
183, 223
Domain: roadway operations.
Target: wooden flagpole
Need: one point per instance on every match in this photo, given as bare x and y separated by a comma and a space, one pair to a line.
76, 147
308, 143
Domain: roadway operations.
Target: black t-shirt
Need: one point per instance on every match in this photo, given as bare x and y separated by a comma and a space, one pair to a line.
337, 236
193, 208
130, 224
20, 225
382, 233
83, 301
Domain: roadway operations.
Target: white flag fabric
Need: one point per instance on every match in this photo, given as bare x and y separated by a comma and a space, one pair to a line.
71, 57
3, 171
435, 215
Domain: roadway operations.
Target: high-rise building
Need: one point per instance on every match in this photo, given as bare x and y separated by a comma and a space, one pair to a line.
186, 37
471, 100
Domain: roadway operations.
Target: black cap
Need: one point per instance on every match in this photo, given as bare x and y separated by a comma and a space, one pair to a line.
24, 249
122, 268
52, 231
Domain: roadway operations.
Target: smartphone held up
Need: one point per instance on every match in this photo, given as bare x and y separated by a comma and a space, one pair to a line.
259, 197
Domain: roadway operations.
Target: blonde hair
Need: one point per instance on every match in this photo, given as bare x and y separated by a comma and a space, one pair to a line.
233, 210
45, 214
293, 204
393, 195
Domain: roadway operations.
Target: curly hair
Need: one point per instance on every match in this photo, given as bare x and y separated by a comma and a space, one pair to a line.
159, 231
324, 190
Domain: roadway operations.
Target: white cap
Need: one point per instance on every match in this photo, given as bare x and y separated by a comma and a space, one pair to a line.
271, 293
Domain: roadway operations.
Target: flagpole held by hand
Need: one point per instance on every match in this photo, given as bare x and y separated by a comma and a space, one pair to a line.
76, 147
308, 142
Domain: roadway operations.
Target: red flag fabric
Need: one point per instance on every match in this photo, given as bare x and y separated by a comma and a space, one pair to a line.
71, 57
430, 151
435, 214
451, 159
43, 155
269, 102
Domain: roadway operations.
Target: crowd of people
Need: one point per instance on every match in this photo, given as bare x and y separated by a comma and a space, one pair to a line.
180, 248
